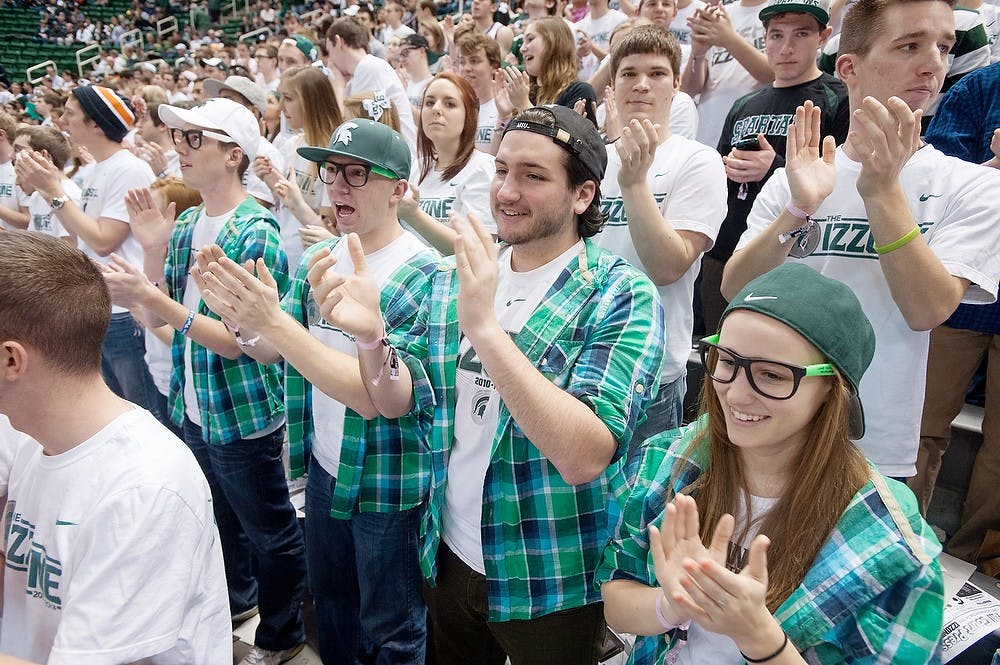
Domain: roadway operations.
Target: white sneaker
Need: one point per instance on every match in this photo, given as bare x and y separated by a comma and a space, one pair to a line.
258, 656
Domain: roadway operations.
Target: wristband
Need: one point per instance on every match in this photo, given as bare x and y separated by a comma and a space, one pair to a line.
896, 244
796, 211
371, 346
659, 614
187, 324
771, 657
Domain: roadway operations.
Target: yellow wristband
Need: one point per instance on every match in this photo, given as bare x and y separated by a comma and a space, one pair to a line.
896, 244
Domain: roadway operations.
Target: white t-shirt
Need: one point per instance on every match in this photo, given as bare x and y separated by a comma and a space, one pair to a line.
373, 73
10, 441
468, 191
206, 231
40, 215
104, 190
112, 553
488, 115
991, 21
688, 181
679, 27
160, 363
327, 413
303, 172
955, 205
599, 30
728, 80
415, 91
477, 407
9, 197
683, 115
704, 646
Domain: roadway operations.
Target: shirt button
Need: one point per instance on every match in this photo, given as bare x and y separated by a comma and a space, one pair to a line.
639, 388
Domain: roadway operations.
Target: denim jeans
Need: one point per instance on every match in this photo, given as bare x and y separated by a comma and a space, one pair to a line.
123, 363
665, 412
257, 524
364, 576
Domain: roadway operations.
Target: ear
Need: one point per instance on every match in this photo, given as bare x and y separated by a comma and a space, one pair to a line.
584, 196
13, 361
825, 35
846, 68
398, 191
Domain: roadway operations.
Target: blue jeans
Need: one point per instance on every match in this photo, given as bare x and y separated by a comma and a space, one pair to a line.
665, 412
123, 363
364, 576
257, 524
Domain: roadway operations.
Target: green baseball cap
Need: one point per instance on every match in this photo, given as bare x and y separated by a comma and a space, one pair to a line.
824, 311
819, 9
373, 143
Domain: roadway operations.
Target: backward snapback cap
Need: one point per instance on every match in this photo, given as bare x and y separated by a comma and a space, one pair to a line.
571, 131
824, 311
819, 9
373, 143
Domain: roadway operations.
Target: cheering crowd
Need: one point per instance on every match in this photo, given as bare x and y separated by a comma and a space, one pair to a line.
451, 271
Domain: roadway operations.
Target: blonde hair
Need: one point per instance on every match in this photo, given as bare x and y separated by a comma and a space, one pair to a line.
560, 60
354, 107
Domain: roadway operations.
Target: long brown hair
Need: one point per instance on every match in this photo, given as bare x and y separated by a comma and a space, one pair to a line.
828, 473
560, 60
466, 140
320, 109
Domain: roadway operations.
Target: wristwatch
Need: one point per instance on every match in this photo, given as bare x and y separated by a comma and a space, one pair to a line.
59, 202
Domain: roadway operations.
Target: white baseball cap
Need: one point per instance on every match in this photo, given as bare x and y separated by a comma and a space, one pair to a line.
221, 118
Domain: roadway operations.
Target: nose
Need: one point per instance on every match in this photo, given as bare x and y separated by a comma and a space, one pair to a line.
641, 82
934, 62
505, 190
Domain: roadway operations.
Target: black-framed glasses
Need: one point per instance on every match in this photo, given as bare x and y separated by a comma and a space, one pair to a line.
193, 137
355, 175
771, 378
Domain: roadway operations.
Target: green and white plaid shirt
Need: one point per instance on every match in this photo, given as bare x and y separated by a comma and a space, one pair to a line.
598, 335
236, 398
874, 594
384, 464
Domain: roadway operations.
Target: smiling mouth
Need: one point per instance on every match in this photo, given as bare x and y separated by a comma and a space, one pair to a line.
746, 417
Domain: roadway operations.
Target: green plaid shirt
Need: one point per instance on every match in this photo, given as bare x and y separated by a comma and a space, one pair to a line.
384, 465
873, 594
597, 334
236, 398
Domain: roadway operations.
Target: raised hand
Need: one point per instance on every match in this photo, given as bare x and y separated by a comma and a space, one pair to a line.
240, 299
636, 148
410, 203
733, 604
505, 108
518, 85
127, 284
612, 123
312, 234
677, 540
152, 228
883, 138
811, 176
348, 301
153, 155
38, 173
263, 169
476, 260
